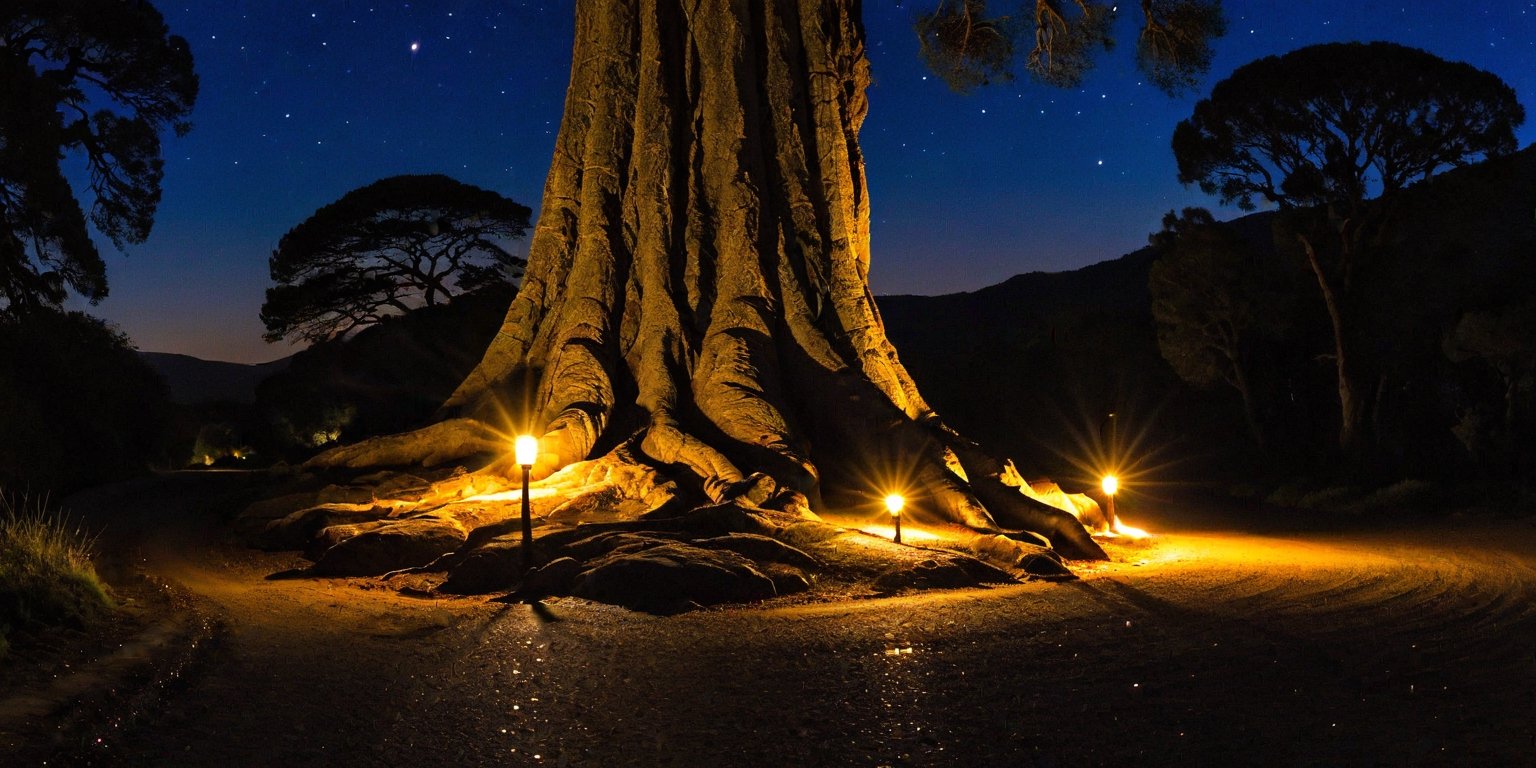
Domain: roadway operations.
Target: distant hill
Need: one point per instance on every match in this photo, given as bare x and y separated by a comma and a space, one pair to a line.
194, 381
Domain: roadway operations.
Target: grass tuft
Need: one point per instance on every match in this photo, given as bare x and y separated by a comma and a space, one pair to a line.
47, 578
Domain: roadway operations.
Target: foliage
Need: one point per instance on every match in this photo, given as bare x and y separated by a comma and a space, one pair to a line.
1208, 297
385, 249
58, 61
46, 574
967, 45
1504, 338
80, 406
1175, 44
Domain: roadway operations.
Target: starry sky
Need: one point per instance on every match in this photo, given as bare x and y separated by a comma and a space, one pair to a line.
303, 101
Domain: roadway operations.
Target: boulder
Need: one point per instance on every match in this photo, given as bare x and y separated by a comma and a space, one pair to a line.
672, 577
760, 548
555, 578
401, 544
296, 530
947, 572
256, 517
1026, 558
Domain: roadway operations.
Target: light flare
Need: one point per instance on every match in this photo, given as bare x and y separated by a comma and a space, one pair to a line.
1110, 484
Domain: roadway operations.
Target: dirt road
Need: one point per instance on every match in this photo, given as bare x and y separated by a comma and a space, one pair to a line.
1394, 648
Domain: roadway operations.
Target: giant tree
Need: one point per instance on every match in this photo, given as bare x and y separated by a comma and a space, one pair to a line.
1331, 134
387, 248
101, 78
697, 307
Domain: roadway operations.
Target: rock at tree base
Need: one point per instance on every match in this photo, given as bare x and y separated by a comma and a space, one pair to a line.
672, 577
379, 550
948, 573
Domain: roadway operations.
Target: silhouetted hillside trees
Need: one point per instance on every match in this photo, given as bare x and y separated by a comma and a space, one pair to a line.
1332, 134
1034, 365
388, 377
1221, 304
79, 405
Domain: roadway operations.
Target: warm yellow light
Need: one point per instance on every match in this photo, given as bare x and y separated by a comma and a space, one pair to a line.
894, 503
527, 449
1110, 484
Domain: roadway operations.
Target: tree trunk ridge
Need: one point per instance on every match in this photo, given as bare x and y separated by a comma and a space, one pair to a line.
699, 278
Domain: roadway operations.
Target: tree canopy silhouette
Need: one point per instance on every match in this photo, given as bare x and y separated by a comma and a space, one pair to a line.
58, 62
386, 248
1330, 134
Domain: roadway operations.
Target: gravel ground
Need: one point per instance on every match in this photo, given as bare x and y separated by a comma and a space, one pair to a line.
1389, 648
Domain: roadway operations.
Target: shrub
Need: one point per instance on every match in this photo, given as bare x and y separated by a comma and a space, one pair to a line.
78, 407
46, 574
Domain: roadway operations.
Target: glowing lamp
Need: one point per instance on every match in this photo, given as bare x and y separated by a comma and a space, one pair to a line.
526, 449
1110, 484
893, 504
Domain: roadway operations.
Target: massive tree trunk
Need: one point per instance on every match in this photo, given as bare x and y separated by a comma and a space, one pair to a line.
698, 282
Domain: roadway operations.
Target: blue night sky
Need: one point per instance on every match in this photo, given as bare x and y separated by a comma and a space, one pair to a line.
304, 101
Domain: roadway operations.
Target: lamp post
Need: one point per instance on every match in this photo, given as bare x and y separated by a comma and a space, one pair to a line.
1110, 484
893, 504
527, 450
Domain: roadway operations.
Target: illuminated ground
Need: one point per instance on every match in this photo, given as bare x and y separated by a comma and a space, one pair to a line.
1399, 647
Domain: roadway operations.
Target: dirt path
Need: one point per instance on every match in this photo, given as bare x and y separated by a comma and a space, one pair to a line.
1409, 647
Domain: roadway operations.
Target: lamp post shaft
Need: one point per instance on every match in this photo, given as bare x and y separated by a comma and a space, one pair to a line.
527, 524
898, 527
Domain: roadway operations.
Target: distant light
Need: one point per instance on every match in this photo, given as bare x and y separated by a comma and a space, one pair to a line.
415, 47
1110, 484
526, 449
894, 503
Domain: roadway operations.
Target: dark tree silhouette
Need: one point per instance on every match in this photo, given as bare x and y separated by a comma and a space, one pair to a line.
81, 407
1330, 134
384, 249
58, 62
966, 45
1504, 338
1214, 298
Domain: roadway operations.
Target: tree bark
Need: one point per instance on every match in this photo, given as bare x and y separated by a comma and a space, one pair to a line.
1250, 407
699, 274
1352, 406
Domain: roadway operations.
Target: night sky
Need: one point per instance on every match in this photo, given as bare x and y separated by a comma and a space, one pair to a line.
303, 101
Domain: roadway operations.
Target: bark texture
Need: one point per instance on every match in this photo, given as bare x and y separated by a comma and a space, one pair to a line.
697, 285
